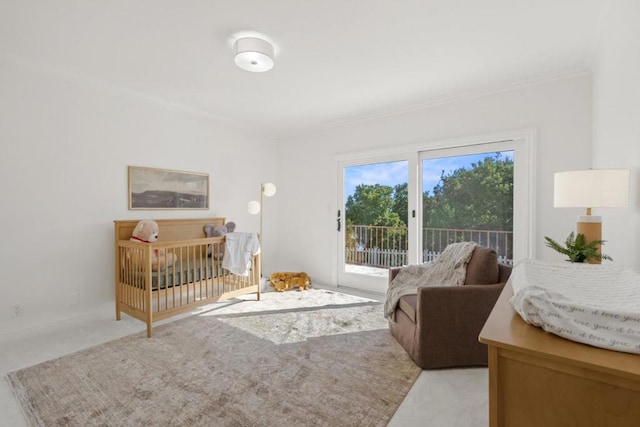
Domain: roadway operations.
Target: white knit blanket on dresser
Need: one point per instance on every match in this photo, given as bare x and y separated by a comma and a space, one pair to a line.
592, 304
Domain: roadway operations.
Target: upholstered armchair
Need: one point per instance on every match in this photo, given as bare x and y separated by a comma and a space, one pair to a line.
439, 325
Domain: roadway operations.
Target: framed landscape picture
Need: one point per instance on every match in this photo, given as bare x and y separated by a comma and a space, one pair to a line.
151, 188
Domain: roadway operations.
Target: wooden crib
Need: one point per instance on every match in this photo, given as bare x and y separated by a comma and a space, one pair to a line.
195, 277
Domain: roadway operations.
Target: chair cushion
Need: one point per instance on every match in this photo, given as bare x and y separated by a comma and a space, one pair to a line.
482, 268
408, 305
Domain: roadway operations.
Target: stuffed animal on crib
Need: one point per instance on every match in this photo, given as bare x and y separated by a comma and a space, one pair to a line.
147, 231
211, 230
284, 281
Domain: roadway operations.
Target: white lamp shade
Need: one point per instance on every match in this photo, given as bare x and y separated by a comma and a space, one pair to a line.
254, 207
253, 54
269, 189
592, 188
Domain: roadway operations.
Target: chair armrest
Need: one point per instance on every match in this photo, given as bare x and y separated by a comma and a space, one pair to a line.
449, 320
393, 272
504, 272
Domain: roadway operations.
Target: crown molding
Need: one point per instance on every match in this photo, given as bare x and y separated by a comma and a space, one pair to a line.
433, 102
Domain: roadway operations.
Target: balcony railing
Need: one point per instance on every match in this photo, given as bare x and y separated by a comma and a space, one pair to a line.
379, 246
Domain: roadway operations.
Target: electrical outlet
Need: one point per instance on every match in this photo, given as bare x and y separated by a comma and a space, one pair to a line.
17, 310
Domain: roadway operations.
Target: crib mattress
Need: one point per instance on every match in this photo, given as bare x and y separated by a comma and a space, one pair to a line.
185, 271
597, 305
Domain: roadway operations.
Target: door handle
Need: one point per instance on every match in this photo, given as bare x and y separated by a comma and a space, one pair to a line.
339, 222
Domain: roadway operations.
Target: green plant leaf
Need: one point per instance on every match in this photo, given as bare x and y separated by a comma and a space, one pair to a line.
578, 249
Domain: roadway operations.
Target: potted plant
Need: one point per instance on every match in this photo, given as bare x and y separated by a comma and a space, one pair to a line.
578, 249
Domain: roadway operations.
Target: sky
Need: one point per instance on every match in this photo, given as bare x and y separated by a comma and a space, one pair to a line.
394, 173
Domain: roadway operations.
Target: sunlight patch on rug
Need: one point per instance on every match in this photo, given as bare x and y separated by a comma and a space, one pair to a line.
274, 301
297, 326
285, 317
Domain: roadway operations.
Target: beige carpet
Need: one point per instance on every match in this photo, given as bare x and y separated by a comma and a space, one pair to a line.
231, 367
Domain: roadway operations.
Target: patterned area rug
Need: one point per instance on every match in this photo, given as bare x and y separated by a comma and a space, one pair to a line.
313, 364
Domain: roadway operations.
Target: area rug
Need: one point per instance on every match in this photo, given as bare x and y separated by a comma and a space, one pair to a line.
237, 366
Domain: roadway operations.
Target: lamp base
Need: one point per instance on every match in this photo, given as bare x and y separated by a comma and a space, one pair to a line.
591, 227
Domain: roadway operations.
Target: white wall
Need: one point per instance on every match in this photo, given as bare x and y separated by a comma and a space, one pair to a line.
559, 110
617, 123
66, 144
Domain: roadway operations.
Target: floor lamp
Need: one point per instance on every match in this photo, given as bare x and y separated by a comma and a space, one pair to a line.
266, 189
591, 188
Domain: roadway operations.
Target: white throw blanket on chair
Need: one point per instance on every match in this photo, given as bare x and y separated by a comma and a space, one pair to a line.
449, 269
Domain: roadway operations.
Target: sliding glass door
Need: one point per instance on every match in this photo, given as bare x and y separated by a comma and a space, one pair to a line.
467, 198
405, 208
374, 232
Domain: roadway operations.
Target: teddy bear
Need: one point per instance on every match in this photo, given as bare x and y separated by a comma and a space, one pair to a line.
284, 281
211, 230
147, 231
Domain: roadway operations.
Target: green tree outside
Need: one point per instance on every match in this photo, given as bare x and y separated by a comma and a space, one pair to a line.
372, 205
479, 198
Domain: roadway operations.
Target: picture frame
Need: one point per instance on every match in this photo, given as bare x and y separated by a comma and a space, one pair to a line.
158, 189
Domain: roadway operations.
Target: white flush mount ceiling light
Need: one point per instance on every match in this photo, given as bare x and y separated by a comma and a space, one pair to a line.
254, 54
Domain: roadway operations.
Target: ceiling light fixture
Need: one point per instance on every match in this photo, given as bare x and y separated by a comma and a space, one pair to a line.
253, 54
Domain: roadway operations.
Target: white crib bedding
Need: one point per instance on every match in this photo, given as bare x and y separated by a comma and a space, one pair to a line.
597, 305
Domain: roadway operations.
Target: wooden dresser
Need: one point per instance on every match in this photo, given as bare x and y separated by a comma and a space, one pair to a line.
539, 379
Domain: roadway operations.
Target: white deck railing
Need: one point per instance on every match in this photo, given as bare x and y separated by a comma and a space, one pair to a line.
380, 246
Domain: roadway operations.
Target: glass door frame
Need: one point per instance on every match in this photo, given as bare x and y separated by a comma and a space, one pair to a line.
488, 148
523, 144
370, 283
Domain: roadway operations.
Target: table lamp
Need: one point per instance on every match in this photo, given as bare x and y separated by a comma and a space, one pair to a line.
591, 188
